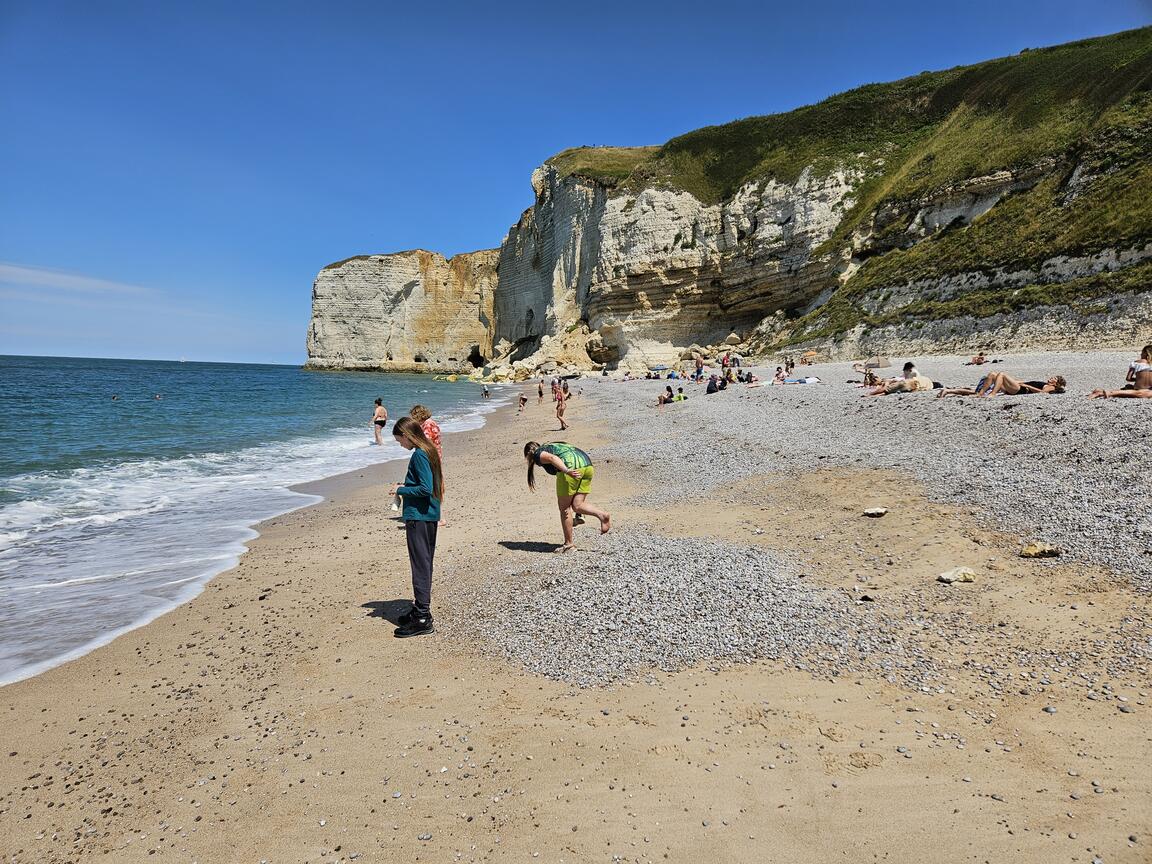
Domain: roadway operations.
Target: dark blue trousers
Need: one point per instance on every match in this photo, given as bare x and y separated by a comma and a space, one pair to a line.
421, 551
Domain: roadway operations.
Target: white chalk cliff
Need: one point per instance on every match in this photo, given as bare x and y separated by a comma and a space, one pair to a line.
998, 204
633, 279
590, 276
411, 311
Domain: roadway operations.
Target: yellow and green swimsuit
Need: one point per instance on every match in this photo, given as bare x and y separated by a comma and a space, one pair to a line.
573, 458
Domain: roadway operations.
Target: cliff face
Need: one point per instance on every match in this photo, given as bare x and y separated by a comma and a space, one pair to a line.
654, 272
411, 311
999, 205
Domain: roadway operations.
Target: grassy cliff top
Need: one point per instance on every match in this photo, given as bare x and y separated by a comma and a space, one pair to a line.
608, 165
909, 136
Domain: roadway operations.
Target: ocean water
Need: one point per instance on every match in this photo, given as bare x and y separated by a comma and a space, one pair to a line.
113, 511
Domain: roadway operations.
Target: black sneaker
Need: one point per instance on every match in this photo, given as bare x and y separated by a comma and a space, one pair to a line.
418, 625
406, 618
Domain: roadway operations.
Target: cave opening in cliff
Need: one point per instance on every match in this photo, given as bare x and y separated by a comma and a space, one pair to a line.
477, 359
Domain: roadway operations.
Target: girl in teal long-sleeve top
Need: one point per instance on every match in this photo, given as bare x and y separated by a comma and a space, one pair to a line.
422, 491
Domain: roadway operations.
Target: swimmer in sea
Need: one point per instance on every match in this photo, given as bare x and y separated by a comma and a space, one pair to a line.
379, 420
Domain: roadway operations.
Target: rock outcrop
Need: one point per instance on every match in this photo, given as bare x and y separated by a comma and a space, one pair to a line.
657, 271
635, 278
411, 311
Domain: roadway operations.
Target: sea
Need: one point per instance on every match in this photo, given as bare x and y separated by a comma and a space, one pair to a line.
125, 485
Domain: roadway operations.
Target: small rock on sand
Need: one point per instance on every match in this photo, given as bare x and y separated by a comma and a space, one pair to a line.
1040, 550
957, 574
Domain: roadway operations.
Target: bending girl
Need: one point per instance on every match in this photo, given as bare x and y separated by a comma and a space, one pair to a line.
573, 471
422, 490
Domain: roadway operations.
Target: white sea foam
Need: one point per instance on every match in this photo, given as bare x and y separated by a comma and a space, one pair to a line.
91, 553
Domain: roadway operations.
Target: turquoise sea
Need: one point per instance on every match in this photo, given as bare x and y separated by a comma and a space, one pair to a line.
114, 510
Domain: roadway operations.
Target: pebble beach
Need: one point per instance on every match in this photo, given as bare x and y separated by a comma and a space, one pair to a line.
747, 667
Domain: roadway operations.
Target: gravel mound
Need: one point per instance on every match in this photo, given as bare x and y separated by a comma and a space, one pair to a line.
637, 601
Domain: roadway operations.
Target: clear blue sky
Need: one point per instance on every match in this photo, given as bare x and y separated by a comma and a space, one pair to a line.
174, 174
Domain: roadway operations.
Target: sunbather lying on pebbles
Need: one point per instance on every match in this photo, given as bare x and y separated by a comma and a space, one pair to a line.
914, 384
1000, 382
1120, 394
911, 382
980, 360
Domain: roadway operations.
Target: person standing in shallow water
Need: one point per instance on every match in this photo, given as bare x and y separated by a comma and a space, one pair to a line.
572, 468
379, 420
422, 490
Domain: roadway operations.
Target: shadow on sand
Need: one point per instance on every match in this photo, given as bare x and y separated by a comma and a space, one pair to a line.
389, 610
529, 546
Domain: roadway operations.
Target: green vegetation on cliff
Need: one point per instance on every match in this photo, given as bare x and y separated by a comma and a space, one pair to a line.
607, 165
930, 130
1070, 124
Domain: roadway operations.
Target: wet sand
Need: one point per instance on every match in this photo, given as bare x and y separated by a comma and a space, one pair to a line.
275, 718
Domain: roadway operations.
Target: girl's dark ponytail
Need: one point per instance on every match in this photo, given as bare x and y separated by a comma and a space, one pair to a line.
530, 454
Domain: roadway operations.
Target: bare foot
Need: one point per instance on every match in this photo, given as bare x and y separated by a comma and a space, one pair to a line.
560, 550
606, 524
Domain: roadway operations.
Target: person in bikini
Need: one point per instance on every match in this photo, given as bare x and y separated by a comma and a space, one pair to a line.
379, 420
1000, 382
1139, 376
561, 401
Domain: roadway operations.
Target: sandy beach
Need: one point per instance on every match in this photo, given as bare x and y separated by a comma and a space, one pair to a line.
746, 668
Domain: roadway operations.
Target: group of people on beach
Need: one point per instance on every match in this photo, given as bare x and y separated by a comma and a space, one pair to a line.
422, 489
1138, 382
422, 493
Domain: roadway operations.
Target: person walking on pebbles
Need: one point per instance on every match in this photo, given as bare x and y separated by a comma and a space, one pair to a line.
561, 403
422, 490
573, 471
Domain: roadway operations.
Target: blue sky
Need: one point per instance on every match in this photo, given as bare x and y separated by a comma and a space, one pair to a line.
173, 175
